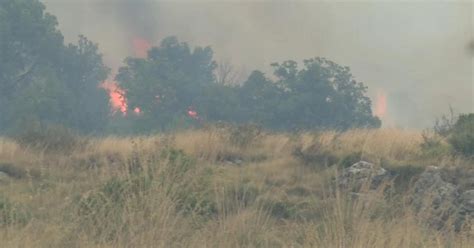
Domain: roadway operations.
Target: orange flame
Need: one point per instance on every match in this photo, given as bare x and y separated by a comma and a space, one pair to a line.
141, 47
118, 99
381, 105
137, 110
118, 102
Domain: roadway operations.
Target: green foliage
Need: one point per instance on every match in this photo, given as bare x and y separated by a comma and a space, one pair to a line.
323, 94
445, 123
41, 78
462, 135
196, 197
48, 138
350, 159
405, 175
11, 214
433, 145
102, 211
239, 196
173, 78
245, 135
316, 155
168, 81
450, 134
281, 208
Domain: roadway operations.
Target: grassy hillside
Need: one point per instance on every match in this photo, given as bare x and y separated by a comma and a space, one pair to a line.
216, 187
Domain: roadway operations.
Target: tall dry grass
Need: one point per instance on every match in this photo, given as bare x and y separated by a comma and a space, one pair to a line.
187, 190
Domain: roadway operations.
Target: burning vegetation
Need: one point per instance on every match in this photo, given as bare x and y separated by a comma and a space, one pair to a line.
165, 152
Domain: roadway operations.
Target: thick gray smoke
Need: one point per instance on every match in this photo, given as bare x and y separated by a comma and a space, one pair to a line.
417, 53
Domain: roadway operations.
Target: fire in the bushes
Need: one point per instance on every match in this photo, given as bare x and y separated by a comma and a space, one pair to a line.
140, 47
118, 99
118, 102
193, 113
380, 104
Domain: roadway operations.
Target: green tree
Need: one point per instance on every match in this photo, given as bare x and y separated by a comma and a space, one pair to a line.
167, 82
43, 80
82, 70
321, 95
259, 99
461, 135
174, 77
28, 47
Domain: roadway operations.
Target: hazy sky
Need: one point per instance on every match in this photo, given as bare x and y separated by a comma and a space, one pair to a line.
414, 52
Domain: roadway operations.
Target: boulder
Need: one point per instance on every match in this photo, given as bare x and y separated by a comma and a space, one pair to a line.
434, 200
467, 201
466, 209
4, 177
362, 173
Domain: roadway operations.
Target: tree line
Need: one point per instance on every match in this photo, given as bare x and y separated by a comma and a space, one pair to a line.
44, 80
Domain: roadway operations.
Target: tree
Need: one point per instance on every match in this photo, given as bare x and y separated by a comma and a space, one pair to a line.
43, 80
82, 70
321, 95
227, 74
169, 81
461, 135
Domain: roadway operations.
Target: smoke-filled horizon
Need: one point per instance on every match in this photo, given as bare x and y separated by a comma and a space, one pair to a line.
414, 54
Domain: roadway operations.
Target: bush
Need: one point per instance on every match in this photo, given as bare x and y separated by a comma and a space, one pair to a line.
434, 145
445, 123
48, 137
462, 135
238, 196
316, 155
101, 212
450, 133
245, 135
350, 159
279, 209
405, 175
12, 213
13, 171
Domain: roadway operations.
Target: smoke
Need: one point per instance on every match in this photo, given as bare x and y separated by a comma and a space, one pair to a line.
414, 53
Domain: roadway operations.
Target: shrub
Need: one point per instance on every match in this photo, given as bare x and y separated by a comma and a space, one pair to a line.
48, 137
462, 135
445, 123
13, 171
102, 212
280, 209
245, 135
12, 213
238, 196
350, 159
434, 145
315, 155
404, 175
196, 197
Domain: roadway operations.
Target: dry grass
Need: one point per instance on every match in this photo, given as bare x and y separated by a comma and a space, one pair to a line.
144, 192
393, 144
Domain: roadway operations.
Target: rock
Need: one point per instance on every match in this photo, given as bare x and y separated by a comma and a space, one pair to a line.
362, 173
467, 201
4, 177
466, 209
434, 199
233, 161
